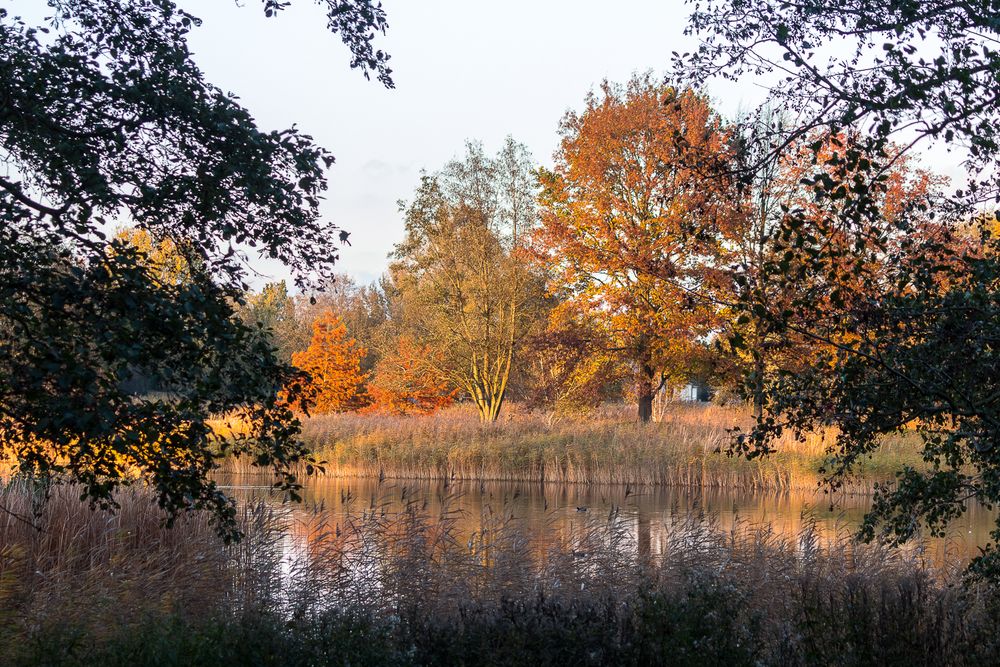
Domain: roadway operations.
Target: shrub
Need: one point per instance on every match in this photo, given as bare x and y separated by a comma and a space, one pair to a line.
409, 381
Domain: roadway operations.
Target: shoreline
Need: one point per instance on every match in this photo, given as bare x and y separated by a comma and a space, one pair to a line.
863, 487
686, 449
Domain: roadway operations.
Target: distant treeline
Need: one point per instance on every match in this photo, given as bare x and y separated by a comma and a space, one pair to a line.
639, 262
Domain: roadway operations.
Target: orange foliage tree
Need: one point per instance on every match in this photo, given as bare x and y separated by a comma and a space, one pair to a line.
333, 362
408, 381
629, 218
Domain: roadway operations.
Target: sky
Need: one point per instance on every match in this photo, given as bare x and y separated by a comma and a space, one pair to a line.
463, 69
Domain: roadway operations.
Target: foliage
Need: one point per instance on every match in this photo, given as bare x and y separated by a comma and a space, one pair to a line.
629, 220
567, 366
357, 22
408, 381
464, 286
924, 68
770, 277
333, 364
105, 118
918, 345
167, 262
274, 312
364, 309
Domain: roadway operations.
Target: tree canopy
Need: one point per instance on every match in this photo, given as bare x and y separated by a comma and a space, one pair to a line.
917, 349
409, 380
106, 118
332, 361
464, 284
630, 220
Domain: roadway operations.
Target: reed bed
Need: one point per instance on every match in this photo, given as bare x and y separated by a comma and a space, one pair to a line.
73, 572
686, 448
409, 588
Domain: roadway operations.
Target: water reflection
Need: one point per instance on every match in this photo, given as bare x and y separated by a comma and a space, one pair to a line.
549, 512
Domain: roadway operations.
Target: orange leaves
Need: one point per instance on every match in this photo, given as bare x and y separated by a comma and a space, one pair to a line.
407, 381
631, 215
631, 201
333, 362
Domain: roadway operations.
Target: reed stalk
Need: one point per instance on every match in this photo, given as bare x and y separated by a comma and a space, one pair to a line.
406, 587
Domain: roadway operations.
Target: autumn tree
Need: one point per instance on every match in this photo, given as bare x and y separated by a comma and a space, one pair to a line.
333, 363
630, 220
169, 263
409, 380
766, 274
567, 366
364, 309
749, 348
919, 351
462, 282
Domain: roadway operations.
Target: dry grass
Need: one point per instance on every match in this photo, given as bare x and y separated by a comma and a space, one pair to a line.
64, 566
89, 588
609, 447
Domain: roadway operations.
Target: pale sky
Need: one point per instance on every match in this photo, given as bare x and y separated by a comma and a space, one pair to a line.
464, 69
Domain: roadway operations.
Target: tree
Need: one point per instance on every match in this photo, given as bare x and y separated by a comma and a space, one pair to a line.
168, 266
106, 117
919, 349
464, 285
333, 364
364, 309
274, 311
768, 275
630, 220
753, 351
921, 71
567, 366
408, 380
357, 22
167, 262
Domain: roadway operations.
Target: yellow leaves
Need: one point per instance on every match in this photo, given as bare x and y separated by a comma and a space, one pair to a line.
163, 257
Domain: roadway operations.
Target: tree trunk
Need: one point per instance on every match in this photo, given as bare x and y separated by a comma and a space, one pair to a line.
488, 403
493, 412
646, 394
758, 387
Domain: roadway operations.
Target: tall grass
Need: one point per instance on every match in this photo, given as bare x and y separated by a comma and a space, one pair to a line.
686, 448
72, 573
409, 588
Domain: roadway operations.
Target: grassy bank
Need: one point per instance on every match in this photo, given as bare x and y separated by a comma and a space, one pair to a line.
609, 447
80, 588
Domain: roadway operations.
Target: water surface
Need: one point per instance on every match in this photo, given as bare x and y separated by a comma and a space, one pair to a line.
550, 511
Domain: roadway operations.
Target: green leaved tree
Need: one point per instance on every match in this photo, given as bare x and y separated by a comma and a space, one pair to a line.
105, 117
917, 347
460, 275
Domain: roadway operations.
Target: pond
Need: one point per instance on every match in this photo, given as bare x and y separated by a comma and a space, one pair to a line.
548, 511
